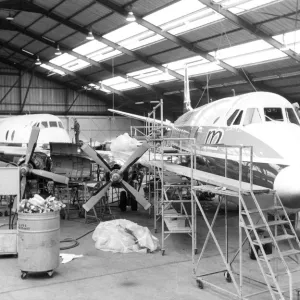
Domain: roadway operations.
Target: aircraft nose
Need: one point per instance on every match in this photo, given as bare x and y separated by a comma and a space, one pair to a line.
287, 185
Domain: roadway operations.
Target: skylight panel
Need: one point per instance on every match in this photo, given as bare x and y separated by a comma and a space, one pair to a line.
89, 47
144, 71
200, 69
125, 32
99, 87
242, 49
120, 83
155, 76
189, 25
240, 6
255, 57
53, 69
104, 54
290, 39
174, 11
180, 64
76, 65
62, 59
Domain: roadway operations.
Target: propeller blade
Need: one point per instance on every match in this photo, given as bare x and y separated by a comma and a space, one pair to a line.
94, 199
95, 156
32, 143
55, 177
23, 186
136, 155
138, 197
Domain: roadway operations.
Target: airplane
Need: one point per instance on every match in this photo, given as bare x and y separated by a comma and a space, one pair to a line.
264, 120
24, 142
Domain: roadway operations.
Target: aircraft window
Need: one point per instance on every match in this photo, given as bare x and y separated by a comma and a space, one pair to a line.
60, 125
273, 114
252, 116
232, 117
37, 125
238, 119
291, 116
45, 124
52, 124
12, 135
7, 132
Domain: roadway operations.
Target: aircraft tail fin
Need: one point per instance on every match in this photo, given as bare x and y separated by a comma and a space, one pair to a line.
187, 99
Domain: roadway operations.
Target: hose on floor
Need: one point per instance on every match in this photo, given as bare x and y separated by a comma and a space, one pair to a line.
74, 243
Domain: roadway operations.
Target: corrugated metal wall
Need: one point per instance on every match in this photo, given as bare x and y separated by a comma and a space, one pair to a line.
99, 128
42, 96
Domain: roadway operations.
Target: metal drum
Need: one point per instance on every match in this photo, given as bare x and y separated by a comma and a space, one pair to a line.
38, 242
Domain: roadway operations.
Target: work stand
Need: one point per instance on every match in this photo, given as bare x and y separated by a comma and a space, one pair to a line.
270, 241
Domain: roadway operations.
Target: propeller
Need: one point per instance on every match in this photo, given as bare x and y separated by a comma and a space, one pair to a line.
26, 168
116, 175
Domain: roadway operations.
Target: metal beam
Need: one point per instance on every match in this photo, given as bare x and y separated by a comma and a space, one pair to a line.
173, 38
84, 80
255, 30
43, 76
38, 9
72, 103
14, 27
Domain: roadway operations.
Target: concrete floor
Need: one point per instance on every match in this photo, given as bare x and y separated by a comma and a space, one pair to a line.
134, 276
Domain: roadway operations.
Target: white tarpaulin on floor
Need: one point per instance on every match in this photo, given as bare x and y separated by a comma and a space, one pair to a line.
124, 236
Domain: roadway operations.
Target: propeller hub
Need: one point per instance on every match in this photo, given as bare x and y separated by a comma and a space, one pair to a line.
24, 170
115, 176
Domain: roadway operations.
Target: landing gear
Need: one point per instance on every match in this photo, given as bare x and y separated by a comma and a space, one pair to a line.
24, 275
227, 276
200, 284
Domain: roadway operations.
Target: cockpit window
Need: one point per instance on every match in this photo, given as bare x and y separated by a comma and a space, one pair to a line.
273, 114
238, 119
232, 117
12, 135
6, 136
52, 124
252, 116
45, 124
60, 125
291, 116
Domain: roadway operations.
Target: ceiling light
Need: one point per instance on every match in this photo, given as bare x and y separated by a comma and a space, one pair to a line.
140, 102
38, 61
10, 17
90, 36
130, 17
57, 51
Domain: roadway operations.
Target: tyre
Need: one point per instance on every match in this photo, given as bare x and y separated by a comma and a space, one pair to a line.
123, 201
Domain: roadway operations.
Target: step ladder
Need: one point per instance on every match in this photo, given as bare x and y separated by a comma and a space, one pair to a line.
270, 252
282, 239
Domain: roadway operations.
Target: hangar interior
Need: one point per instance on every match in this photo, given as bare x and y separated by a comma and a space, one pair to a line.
76, 63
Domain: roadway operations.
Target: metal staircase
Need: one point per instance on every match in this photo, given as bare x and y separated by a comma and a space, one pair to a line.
271, 235
280, 235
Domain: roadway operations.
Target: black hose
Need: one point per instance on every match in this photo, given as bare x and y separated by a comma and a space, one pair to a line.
75, 242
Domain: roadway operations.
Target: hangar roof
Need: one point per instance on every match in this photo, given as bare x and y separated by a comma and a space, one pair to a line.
228, 46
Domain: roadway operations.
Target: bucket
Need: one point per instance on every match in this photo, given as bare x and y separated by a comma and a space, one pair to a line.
38, 241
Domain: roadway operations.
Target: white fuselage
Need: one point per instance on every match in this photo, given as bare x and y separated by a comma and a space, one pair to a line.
16, 130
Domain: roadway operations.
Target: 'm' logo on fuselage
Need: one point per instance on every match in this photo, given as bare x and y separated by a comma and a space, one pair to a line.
214, 136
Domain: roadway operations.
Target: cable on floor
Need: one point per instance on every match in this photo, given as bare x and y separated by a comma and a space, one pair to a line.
75, 242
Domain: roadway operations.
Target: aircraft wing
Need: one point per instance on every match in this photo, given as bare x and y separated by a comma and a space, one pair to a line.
141, 118
205, 177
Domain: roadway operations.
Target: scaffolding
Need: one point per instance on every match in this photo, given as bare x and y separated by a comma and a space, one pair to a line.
253, 219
